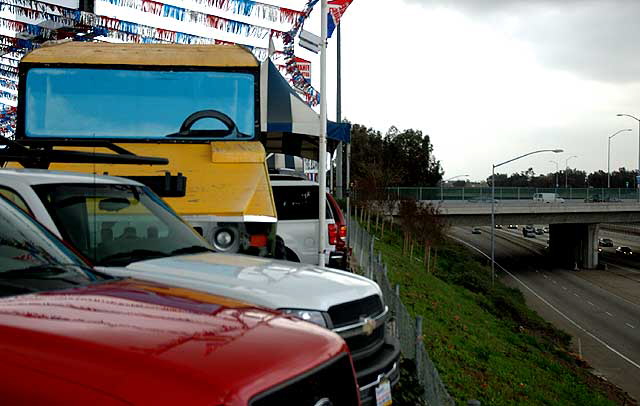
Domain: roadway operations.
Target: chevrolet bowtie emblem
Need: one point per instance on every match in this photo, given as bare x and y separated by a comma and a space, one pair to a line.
368, 326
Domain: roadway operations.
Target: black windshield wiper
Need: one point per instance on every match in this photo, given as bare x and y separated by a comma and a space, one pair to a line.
125, 258
194, 249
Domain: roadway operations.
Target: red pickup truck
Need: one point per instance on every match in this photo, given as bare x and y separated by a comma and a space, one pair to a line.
70, 335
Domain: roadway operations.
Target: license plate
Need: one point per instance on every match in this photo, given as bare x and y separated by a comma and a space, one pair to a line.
383, 394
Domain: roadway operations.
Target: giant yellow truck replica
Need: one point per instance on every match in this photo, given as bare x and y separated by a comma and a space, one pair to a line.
197, 105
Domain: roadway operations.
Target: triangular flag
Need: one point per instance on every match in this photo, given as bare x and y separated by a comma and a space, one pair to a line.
336, 10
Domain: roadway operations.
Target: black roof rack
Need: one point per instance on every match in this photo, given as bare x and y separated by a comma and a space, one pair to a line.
40, 153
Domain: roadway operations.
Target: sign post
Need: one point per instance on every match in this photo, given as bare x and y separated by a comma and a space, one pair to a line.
322, 144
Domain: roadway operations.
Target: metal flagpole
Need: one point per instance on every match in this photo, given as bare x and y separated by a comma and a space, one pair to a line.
339, 160
322, 144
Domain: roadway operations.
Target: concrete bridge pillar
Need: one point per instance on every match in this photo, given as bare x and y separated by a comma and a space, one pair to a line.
574, 245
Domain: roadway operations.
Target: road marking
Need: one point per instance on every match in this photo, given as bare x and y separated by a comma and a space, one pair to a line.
576, 295
554, 281
609, 314
545, 276
630, 325
590, 303
564, 288
607, 346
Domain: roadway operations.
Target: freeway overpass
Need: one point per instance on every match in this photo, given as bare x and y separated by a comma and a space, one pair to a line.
573, 225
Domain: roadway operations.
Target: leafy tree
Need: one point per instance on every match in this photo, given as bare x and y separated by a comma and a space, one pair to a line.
399, 158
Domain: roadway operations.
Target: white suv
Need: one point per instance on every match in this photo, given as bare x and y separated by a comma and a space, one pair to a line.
297, 206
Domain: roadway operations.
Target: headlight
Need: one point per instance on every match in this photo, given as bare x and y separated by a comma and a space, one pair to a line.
312, 316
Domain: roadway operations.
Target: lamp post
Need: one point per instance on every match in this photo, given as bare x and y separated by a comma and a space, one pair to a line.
566, 171
638, 120
557, 170
493, 205
447, 180
609, 156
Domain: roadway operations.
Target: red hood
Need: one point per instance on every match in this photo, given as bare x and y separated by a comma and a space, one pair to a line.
142, 343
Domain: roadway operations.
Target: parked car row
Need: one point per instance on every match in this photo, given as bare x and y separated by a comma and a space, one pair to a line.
125, 230
121, 297
74, 335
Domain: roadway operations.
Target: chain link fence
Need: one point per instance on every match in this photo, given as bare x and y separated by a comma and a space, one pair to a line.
479, 194
407, 328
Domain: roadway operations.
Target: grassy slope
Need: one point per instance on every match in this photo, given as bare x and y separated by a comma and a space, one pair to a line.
486, 343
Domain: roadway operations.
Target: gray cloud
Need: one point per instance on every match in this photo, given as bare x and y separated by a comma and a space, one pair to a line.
596, 39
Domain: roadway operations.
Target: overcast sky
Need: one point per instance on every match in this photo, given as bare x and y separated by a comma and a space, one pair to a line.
489, 80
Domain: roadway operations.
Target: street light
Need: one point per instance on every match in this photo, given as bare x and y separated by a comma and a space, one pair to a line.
557, 170
609, 156
638, 120
493, 205
566, 167
447, 180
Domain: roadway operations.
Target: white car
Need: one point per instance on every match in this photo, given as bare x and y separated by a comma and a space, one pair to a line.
126, 230
298, 219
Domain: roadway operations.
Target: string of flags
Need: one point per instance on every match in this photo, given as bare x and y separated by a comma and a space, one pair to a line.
299, 81
194, 17
7, 120
247, 8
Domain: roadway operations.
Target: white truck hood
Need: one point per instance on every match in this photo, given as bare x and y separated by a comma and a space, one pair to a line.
266, 282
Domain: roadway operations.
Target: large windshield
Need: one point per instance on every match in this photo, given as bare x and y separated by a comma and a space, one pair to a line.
32, 260
134, 104
118, 224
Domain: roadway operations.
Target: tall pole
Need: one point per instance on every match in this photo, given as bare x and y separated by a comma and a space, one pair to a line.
339, 160
493, 208
609, 156
638, 174
609, 163
322, 144
493, 224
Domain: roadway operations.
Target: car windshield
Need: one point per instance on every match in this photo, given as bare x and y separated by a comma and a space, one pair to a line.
115, 224
134, 104
32, 259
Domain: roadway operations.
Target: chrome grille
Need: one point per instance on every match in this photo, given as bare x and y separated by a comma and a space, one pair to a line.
362, 345
352, 312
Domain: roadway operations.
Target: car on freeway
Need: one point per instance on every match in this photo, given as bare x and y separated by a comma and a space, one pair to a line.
529, 231
547, 198
476, 230
499, 226
605, 242
545, 229
539, 231
602, 199
72, 335
512, 227
624, 250
126, 230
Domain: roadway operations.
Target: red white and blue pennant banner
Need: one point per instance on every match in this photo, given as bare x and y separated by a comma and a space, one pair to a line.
336, 10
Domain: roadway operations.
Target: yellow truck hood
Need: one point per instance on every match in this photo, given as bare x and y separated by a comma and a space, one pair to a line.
224, 178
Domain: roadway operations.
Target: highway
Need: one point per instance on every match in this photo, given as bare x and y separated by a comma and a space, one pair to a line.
599, 308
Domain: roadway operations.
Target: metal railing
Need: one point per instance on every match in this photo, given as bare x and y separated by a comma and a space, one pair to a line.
407, 328
505, 193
